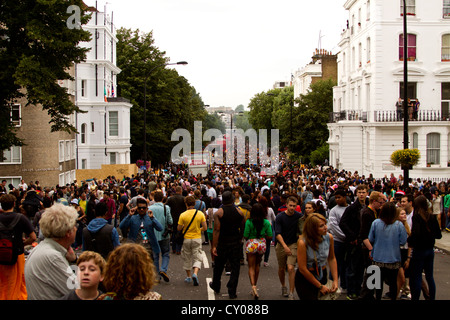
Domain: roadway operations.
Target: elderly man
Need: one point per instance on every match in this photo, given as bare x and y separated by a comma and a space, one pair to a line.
48, 275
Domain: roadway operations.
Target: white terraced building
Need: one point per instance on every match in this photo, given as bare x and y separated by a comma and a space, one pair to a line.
104, 130
364, 127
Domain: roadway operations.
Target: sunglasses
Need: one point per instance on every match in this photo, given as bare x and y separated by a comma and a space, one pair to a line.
142, 208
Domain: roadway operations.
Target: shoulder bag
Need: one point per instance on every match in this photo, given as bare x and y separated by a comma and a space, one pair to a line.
179, 236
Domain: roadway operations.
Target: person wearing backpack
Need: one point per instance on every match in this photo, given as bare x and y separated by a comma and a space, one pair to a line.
100, 236
12, 258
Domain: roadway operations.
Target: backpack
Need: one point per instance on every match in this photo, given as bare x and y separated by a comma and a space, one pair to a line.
8, 246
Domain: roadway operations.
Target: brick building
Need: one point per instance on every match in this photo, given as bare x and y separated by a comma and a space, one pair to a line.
47, 157
323, 66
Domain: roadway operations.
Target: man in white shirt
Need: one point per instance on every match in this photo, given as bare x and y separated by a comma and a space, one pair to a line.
211, 192
407, 204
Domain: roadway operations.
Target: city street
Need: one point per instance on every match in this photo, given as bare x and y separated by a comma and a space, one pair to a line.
268, 283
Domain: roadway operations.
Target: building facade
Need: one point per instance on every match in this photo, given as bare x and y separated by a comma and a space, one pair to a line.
47, 157
104, 127
365, 127
323, 66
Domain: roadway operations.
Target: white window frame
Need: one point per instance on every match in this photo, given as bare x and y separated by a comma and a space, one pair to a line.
12, 158
410, 7
113, 132
434, 151
72, 149
18, 122
445, 57
61, 150
67, 151
446, 9
83, 136
61, 180
10, 180
112, 158
84, 88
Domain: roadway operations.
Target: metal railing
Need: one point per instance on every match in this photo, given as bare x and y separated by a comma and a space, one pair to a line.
387, 116
348, 115
422, 115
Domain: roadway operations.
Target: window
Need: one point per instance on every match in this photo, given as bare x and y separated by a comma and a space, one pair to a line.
344, 64
114, 123
359, 18
446, 9
92, 127
15, 115
61, 179
410, 7
448, 150
412, 90
368, 10
353, 58
11, 155
67, 150
83, 88
369, 53
445, 100
112, 158
433, 148
15, 181
360, 55
415, 140
411, 47
72, 149
83, 133
445, 53
61, 151
83, 163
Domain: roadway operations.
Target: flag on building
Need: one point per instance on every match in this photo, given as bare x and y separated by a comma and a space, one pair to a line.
106, 98
112, 90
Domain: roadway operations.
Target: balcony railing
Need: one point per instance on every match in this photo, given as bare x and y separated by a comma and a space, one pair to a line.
422, 115
348, 115
387, 116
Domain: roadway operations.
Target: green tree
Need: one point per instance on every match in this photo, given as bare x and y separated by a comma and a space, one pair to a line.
282, 115
311, 117
36, 49
172, 103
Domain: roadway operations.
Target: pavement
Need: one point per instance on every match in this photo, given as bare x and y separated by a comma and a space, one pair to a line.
444, 243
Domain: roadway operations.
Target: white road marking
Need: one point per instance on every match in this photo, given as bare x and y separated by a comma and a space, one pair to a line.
205, 260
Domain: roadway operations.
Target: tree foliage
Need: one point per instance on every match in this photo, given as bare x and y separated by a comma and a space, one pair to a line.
36, 49
172, 103
312, 115
275, 110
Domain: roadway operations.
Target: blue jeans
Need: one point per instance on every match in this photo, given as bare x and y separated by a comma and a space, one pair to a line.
165, 254
422, 260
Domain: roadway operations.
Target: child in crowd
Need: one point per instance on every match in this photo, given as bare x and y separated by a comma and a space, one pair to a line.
91, 268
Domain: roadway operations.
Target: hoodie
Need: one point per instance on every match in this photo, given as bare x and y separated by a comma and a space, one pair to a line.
96, 225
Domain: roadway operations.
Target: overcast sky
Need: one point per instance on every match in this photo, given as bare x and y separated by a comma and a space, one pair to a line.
234, 49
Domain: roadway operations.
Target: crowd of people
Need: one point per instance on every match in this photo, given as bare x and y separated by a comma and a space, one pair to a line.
326, 226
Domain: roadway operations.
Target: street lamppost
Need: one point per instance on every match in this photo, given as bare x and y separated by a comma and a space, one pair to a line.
231, 113
145, 104
405, 93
